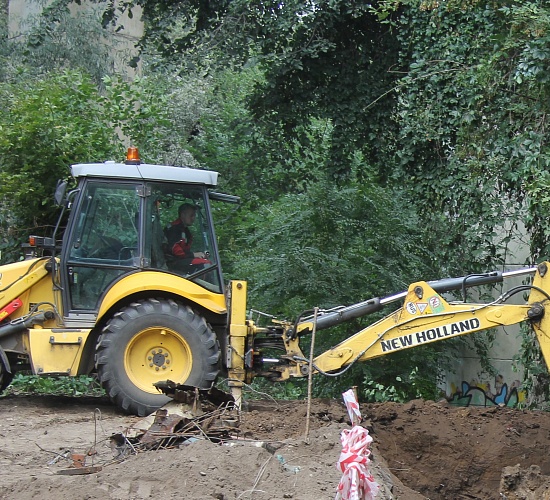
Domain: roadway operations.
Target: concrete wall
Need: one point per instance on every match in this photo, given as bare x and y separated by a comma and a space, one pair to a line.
21, 14
468, 384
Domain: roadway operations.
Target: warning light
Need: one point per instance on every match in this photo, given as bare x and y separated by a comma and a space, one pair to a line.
132, 156
41, 241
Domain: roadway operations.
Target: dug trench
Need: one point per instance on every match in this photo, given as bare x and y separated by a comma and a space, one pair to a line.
421, 449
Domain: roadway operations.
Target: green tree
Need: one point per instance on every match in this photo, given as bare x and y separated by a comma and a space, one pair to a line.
159, 114
469, 136
328, 247
46, 126
326, 60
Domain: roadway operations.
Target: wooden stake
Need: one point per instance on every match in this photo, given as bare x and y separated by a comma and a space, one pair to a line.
310, 374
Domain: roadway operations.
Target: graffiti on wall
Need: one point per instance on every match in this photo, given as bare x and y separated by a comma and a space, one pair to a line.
483, 394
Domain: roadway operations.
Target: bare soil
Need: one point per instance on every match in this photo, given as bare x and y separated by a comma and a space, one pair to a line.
421, 450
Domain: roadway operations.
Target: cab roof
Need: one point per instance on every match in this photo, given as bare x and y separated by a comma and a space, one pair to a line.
145, 172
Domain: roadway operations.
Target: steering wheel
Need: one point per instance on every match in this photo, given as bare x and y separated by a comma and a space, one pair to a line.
111, 243
109, 249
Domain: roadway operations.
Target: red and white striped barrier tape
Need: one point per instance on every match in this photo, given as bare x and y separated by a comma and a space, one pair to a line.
357, 483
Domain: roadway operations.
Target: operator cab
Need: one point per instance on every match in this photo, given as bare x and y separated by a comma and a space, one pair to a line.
118, 226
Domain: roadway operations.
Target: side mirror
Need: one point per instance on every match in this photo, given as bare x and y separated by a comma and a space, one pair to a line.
60, 190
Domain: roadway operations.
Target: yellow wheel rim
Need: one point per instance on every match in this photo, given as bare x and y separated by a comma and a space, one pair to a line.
155, 354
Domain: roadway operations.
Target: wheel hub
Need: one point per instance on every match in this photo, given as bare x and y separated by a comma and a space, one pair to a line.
158, 359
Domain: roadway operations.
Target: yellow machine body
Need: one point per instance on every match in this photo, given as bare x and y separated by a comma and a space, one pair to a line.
55, 350
27, 280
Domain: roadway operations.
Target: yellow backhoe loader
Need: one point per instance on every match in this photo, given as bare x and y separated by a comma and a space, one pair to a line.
113, 298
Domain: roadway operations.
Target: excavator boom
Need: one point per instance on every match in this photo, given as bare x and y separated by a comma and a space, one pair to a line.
425, 317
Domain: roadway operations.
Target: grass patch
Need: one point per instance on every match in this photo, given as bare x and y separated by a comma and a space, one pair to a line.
81, 385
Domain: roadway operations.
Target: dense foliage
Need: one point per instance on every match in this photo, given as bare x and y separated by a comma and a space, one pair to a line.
371, 143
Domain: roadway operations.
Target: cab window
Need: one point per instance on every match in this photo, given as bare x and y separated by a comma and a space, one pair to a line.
180, 237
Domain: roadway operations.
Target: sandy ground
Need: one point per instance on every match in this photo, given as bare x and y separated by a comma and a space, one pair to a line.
420, 450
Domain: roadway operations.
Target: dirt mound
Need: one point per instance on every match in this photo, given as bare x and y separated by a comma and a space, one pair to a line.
450, 452
421, 450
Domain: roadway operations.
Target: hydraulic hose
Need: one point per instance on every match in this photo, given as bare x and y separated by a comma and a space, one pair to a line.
342, 314
17, 326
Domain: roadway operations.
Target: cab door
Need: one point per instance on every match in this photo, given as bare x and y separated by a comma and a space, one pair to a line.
104, 243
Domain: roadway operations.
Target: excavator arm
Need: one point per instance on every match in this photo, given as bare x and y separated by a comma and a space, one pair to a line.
425, 317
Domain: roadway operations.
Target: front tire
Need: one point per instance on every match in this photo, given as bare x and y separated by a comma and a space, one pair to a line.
150, 341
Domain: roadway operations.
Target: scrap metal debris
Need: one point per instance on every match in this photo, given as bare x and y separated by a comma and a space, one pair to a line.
79, 471
181, 393
78, 465
193, 414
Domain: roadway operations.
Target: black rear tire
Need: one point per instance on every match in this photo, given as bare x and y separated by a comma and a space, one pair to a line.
150, 341
5, 378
